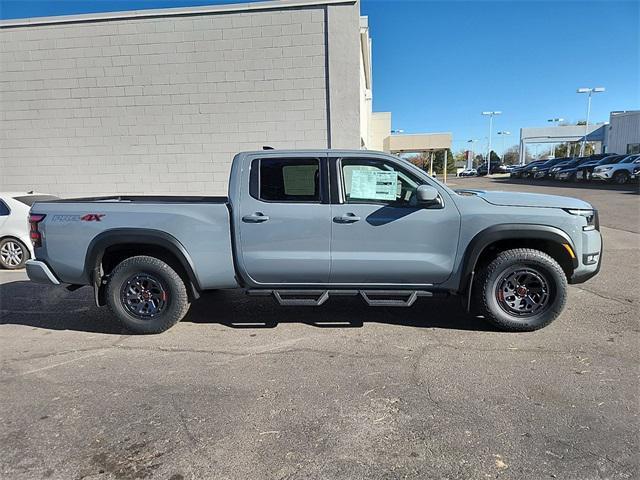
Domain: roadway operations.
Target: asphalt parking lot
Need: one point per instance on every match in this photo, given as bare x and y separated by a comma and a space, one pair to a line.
243, 388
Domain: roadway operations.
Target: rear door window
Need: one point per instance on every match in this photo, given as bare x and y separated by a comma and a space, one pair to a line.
286, 180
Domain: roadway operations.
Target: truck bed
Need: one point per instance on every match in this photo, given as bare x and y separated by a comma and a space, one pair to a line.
199, 226
145, 199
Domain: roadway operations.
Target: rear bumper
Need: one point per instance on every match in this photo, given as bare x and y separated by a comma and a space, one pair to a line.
39, 272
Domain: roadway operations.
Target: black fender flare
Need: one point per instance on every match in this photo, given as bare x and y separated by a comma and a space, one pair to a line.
136, 236
507, 231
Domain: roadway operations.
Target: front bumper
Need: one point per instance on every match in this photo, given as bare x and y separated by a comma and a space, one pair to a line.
563, 175
39, 272
591, 245
606, 175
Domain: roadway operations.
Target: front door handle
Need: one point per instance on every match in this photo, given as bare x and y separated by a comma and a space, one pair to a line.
257, 217
347, 218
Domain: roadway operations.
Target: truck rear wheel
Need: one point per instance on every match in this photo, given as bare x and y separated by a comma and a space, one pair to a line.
521, 290
146, 295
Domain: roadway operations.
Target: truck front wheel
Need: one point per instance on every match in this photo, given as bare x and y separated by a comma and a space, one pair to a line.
521, 290
146, 295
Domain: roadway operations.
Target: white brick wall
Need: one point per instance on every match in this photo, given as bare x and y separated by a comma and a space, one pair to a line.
157, 105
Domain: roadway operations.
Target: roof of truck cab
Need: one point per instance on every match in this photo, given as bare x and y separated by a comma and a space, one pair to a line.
314, 151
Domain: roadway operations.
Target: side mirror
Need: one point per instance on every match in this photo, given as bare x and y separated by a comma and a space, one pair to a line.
426, 195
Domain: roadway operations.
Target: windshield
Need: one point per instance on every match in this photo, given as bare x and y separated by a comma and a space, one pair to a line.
630, 159
610, 160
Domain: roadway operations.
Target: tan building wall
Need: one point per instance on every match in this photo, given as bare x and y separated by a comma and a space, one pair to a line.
380, 130
160, 101
418, 142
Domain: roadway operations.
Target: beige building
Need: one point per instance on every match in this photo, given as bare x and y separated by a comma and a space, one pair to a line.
381, 138
623, 133
159, 101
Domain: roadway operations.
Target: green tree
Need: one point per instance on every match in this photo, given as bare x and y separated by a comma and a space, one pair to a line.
423, 161
511, 156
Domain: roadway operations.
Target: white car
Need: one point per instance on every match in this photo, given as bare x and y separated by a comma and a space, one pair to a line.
15, 245
468, 172
617, 172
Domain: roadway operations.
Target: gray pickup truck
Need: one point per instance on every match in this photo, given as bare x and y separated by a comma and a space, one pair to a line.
303, 226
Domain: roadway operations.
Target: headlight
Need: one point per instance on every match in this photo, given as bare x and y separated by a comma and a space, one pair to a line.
590, 215
604, 169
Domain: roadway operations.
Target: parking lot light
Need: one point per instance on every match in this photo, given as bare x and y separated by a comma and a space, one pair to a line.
556, 121
490, 115
503, 134
589, 91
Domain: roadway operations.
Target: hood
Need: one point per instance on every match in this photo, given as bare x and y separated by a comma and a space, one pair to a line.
516, 199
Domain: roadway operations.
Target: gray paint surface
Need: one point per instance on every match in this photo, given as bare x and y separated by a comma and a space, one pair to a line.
202, 228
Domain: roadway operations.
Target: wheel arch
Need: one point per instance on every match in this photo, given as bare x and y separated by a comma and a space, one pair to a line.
497, 238
110, 247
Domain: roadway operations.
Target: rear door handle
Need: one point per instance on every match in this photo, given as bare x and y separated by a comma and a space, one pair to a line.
257, 217
347, 218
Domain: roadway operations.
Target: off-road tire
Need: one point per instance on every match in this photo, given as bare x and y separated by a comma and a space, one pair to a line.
620, 177
8, 247
488, 304
176, 302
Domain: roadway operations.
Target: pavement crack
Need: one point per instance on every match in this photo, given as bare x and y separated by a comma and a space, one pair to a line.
623, 301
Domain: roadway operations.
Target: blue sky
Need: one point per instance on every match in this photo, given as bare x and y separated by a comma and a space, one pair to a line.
438, 64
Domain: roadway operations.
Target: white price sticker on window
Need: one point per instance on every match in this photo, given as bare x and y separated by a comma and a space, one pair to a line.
374, 185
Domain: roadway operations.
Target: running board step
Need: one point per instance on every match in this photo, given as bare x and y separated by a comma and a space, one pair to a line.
301, 298
392, 298
315, 298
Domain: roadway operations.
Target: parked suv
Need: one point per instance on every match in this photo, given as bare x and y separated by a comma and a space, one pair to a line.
584, 171
496, 167
618, 172
555, 172
542, 170
518, 171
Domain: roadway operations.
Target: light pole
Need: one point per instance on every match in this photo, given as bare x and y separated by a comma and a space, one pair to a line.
590, 91
470, 157
503, 134
490, 115
556, 121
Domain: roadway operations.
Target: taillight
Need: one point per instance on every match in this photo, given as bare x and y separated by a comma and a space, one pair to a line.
34, 233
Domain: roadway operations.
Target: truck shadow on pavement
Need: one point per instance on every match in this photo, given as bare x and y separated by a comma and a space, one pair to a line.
55, 308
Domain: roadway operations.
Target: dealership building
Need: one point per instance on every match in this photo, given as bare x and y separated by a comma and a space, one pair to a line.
159, 101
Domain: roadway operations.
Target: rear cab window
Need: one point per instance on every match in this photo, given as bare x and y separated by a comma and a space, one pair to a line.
290, 180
